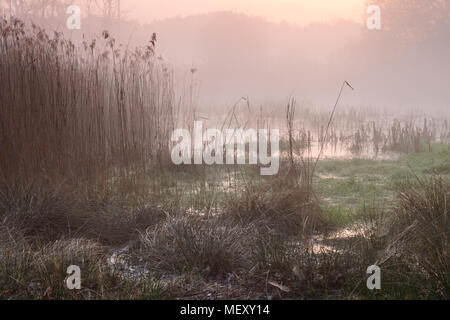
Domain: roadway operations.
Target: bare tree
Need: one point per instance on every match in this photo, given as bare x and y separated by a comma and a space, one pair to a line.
412, 19
42, 9
18, 8
110, 10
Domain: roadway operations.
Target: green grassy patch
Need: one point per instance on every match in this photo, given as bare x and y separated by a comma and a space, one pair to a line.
346, 187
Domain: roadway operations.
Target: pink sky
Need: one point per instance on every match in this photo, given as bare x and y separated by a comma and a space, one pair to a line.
299, 12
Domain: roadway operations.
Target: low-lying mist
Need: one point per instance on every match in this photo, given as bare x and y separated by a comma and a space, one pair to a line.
224, 56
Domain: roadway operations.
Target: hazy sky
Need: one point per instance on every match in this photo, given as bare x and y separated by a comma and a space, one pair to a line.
294, 11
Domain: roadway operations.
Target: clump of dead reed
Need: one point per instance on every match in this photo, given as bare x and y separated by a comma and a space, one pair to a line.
95, 113
82, 129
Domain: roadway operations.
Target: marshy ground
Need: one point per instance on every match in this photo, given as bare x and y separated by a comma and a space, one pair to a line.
236, 235
86, 179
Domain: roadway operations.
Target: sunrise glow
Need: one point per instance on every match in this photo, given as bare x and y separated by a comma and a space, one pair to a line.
300, 12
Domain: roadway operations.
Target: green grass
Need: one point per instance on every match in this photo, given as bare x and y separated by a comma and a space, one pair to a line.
421, 163
348, 187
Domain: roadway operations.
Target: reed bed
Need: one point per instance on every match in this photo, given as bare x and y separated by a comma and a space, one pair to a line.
97, 112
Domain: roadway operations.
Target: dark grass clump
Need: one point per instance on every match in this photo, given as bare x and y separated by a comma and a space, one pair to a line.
44, 213
303, 270
184, 243
412, 245
288, 208
31, 271
422, 229
39, 273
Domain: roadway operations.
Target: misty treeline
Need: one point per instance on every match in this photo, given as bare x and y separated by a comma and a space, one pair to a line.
239, 55
409, 19
57, 8
96, 107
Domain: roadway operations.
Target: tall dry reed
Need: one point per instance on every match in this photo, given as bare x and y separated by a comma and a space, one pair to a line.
93, 113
